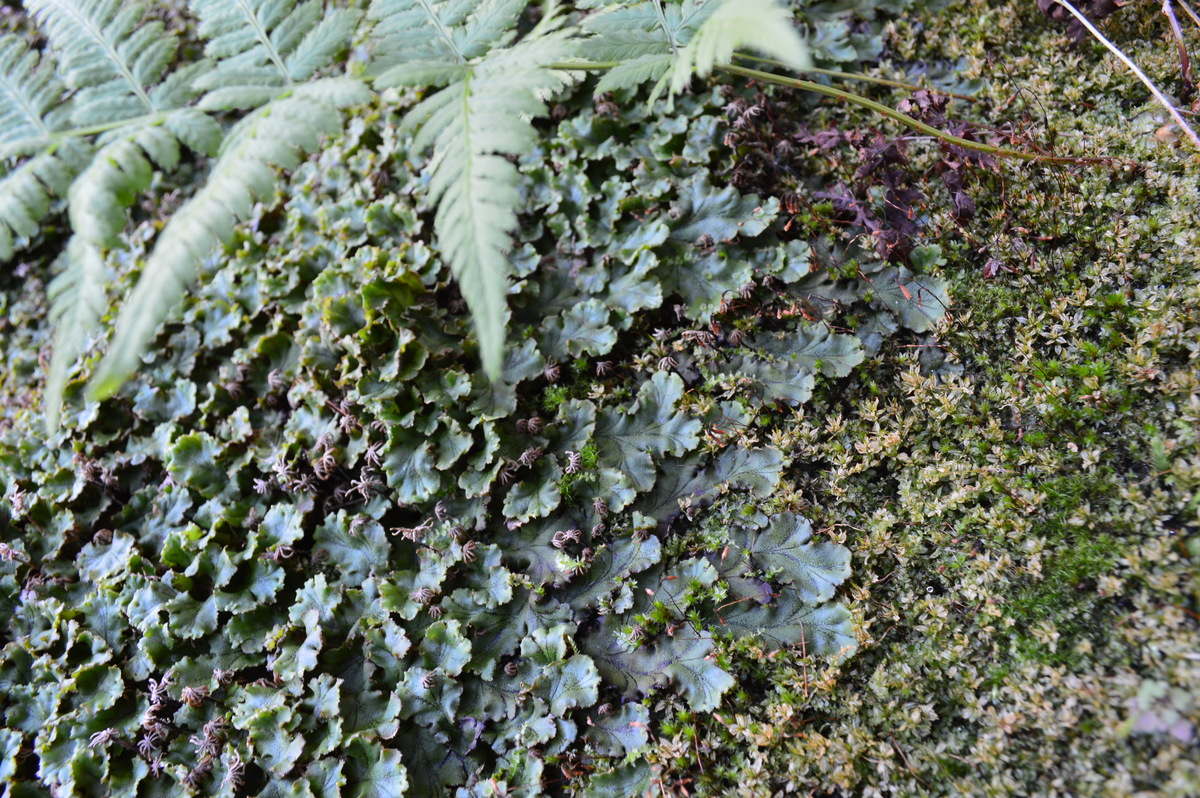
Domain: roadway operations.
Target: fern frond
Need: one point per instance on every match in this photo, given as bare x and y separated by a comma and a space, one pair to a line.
77, 303
26, 191
416, 30
472, 125
108, 54
643, 39
432, 74
761, 25
636, 71
30, 99
195, 129
669, 43
263, 47
274, 136
321, 46
124, 167
34, 117
650, 27
178, 88
423, 33
97, 199
489, 26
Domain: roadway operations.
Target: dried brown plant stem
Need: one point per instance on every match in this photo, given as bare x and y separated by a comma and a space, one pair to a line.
1190, 12
1185, 63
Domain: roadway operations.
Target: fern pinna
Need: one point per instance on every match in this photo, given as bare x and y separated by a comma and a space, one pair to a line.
111, 104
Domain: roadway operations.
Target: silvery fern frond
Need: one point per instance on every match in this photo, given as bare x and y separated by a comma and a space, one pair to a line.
111, 77
262, 47
31, 107
483, 115
124, 167
114, 62
762, 25
669, 43
77, 302
26, 190
120, 171
102, 114
642, 40
430, 42
31, 112
108, 54
274, 136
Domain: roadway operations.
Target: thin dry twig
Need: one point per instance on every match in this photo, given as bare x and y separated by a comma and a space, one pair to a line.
896, 746
1149, 84
1190, 12
1185, 63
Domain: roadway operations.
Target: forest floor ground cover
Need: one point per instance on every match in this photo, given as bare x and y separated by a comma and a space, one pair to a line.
1018, 490
1024, 524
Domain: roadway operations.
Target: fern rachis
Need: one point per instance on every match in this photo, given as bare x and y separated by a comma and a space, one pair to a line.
483, 114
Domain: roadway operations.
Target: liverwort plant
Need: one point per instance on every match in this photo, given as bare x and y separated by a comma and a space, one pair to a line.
112, 103
313, 546
326, 548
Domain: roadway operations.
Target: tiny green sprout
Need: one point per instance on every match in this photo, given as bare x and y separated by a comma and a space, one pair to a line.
566, 485
1116, 300
554, 396
590, 455
575, 566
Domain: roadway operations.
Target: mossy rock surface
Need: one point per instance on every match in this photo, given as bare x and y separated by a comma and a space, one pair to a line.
1023, 529
846, 467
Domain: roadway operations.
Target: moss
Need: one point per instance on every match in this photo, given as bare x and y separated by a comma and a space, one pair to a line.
1020, 516
1019, 488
